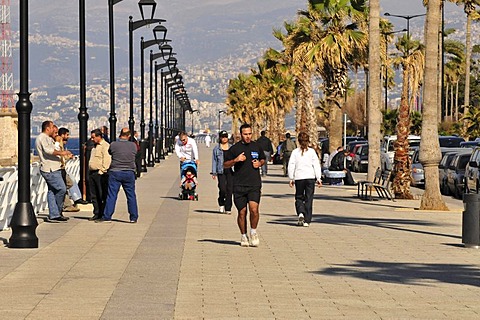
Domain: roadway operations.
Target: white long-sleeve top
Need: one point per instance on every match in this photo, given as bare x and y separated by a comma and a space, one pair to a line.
188, 151
304, 166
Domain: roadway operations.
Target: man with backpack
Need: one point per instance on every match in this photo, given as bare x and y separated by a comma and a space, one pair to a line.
286, 151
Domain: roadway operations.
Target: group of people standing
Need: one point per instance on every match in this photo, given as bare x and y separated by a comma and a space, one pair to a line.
110, 166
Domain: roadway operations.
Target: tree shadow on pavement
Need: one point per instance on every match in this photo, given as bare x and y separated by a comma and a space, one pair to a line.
385, 223
421, 274
209, 211
229, 242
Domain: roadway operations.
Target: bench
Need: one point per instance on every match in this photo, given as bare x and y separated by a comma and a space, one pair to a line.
381, 184
334, 177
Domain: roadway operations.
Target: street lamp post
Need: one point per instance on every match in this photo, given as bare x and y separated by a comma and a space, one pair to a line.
191, 113
82, 114
153, 57
385, 35
132, 26
219, 113
159, 140
143, 5
143, 46
408, 18
24, 222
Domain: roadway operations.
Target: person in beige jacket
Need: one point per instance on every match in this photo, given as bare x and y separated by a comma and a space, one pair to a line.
98, 166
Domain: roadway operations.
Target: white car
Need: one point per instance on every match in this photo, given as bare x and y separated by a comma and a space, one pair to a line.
387, 150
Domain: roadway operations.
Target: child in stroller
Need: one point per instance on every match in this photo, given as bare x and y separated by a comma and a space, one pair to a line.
189, 182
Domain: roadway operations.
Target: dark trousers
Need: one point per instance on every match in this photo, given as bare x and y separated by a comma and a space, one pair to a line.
225, 190
304, 190
348, 180
98, 191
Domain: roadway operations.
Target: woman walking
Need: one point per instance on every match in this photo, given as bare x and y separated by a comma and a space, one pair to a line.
304, 171
223, 176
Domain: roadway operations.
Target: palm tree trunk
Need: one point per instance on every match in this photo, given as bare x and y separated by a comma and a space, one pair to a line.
429, 147
468, 54
336, 127
401, 168
451, 102
456, 101
374, 91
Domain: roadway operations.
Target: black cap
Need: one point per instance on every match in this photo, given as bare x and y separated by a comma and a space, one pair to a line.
223, 133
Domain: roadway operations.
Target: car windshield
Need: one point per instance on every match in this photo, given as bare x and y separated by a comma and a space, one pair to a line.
463, 161
364, 151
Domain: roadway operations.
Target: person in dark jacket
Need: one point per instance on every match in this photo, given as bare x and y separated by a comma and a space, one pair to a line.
338, 164
266, 144
223, 175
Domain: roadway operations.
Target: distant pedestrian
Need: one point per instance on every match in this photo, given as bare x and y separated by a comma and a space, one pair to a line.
121, 173
51, 171
223, 175
304, 171
98, 166
287, 147
246, 157
266, 144
104, 130
208, 140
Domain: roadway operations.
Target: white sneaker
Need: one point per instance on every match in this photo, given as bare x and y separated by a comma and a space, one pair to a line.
254, 241
222, 209
305, 224
244, 242
301, 219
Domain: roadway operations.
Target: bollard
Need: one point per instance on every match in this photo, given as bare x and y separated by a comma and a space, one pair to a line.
471, 221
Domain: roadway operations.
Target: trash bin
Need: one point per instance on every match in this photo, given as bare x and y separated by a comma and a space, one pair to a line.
471, 220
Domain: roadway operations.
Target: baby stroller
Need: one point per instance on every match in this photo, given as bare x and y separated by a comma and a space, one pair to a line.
189, 181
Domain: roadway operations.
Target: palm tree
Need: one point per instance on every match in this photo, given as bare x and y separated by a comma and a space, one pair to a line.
469, 6
473, 119
412, 62
429, 146
374, 114
331, 48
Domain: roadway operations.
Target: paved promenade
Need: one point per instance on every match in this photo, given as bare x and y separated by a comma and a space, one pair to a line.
182, 260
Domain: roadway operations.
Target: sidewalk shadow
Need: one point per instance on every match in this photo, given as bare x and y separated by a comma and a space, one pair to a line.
407, 273
229, 242
209, 211
385, 223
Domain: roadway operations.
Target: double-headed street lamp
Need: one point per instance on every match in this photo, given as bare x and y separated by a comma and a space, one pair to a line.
408, 18
132, 26
24, 222
153, 57
160, 32
191, 114
144, 6
385, 35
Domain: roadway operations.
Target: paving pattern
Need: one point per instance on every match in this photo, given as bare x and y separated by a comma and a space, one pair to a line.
183, 260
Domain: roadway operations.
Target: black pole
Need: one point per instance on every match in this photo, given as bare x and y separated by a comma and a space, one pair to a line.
82, 115
157, 142
192, 123
386, 72
442, 68
111, 47
142, 91
162, 117
24, 222
131, 121
151, 161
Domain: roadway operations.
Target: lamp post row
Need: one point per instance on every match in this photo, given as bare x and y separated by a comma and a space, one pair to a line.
24, 222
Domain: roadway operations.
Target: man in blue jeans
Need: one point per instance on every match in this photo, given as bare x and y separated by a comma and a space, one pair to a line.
121, 173
50, 170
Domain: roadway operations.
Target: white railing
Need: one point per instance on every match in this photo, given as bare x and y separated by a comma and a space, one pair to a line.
38, 188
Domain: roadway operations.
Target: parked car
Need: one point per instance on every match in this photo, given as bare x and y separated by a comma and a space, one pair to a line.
418, 175
450, 141
360, 161
442, 171
472, 175
456, 173
352, 148
387, 151
469, 144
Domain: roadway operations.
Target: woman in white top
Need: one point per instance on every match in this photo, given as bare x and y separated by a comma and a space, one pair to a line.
304, 171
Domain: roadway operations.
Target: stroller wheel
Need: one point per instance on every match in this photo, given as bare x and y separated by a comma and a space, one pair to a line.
196, 197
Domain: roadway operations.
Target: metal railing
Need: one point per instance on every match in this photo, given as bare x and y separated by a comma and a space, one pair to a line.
38, 187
